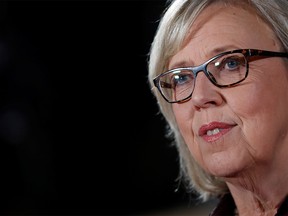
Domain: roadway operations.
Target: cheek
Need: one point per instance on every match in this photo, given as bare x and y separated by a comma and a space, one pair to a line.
251, 105
259, 94
184, 116
261, 109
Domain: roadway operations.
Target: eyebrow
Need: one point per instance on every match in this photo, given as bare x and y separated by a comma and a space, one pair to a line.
181, 64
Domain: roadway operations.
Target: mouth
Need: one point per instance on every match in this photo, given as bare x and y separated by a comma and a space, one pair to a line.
214, 130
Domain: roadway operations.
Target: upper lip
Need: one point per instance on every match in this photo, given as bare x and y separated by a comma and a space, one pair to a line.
213, 125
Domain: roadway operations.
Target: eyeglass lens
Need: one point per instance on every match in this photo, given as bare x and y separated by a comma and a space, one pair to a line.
178, 84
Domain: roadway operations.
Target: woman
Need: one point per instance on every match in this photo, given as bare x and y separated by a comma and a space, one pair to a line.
219, 71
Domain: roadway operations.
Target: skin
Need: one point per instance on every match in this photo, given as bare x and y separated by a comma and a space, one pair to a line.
251, 157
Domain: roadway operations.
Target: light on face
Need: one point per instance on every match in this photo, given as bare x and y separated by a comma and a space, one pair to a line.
217, 64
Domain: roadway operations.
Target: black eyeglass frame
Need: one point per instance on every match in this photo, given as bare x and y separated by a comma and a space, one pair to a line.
203, 67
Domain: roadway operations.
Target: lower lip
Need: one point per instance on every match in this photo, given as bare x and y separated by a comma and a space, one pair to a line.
213, 138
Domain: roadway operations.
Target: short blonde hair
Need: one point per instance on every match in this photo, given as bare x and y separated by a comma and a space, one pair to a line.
172, 30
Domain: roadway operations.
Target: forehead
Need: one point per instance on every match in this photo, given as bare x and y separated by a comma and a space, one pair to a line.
222, 27
228, 15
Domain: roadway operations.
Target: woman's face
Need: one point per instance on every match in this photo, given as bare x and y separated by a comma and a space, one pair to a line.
233, 129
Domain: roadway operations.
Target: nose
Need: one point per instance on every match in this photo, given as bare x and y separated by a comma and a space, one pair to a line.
205, 94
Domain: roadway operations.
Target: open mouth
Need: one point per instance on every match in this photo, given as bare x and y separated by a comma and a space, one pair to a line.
214, 130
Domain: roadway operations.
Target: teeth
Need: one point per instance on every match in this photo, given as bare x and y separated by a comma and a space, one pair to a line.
213, 132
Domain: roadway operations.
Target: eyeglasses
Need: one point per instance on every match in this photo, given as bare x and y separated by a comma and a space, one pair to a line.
223, 70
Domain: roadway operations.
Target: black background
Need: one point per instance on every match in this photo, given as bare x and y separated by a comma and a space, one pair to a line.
79, 128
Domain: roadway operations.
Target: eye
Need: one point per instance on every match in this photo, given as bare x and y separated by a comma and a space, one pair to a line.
231, 63
227, 69
182, 79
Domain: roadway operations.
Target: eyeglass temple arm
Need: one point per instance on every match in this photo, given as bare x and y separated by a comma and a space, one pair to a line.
253, 52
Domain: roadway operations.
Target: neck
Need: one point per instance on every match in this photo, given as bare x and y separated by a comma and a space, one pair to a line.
257, 193
261, 188
257, 196
249, 203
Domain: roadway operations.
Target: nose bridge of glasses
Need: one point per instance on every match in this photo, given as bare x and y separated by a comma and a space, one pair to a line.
201, 68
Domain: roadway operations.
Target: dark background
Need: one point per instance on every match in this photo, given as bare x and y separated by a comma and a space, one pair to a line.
79, 128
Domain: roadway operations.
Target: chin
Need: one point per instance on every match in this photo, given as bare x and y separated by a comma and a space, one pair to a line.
225, 168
